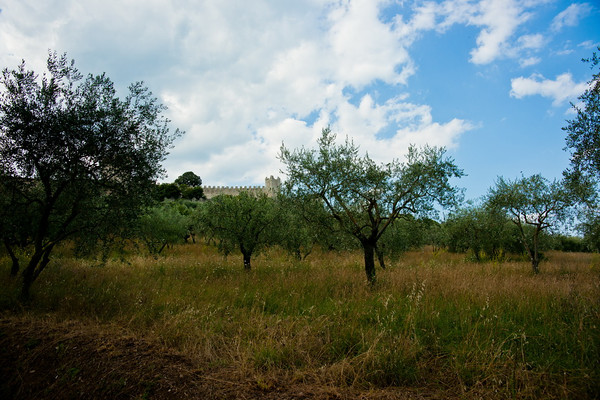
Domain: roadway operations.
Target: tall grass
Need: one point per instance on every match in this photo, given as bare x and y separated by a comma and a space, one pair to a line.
433, 319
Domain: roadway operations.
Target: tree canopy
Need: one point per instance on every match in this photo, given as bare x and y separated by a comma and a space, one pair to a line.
485, 231
364, 198
189, 179
76, 161
187, 186
532, 202
583, 132
163, 225
583, 141
245, 222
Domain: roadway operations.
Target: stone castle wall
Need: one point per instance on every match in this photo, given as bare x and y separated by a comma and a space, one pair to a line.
271, 188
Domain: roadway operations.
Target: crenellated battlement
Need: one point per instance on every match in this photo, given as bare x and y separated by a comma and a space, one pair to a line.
271, 188
233, 187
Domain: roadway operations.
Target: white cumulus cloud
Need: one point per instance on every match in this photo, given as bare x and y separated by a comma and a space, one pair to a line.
535, 41
560, 90
571, 16
498, 20
242, 77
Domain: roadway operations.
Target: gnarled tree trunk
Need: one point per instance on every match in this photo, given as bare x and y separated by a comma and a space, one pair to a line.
369, 250
247, 254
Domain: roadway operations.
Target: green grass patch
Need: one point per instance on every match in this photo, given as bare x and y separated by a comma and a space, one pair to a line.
433, 319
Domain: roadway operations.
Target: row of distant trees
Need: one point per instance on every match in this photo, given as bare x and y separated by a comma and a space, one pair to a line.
516, 218
78, 163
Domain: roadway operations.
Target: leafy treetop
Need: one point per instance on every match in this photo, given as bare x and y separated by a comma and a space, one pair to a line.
364, 198
189, 179
76, 161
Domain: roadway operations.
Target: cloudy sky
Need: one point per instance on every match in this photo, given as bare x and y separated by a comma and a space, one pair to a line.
491, 80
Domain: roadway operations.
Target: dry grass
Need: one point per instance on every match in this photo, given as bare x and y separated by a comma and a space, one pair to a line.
433, 321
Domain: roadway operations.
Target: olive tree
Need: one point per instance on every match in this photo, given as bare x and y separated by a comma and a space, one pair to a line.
485, 231
166, 191
297, 234
583, 142
364, 198
187, 186
189, 179
583, 132
245, 222
190, 185
533, 204
163, 225
76, 161
404, 234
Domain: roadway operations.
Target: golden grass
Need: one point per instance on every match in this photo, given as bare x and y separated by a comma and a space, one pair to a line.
432, 320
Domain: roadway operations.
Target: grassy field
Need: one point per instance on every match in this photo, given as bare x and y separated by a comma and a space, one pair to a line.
434, 323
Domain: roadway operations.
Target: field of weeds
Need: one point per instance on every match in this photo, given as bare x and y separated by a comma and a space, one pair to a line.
434, 326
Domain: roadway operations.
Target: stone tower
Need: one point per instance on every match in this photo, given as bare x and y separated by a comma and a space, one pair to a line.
272, 186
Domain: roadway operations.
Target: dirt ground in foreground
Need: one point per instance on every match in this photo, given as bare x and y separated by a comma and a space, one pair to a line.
40, 359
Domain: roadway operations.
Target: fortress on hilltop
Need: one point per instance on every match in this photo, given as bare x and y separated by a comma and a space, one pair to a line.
271, 188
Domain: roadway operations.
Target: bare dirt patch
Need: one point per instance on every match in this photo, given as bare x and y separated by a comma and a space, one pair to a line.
44, 359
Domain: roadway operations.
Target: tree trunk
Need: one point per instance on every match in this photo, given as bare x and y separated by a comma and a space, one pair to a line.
29, 274
247, 265
247, 254
380, 256
44, 262
36, 265
369, 249
14, 269
535, 263
477, 253
532, 250
162, 247
535, 256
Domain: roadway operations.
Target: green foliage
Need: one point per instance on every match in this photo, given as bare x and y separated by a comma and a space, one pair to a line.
583, 132
187, 186
406, 233
532, 202
485, 232
75, 160
583, 142
568, 243
192, 192
189, 179
362, 198
591, 230
164, 191
304, 224
245, 222
163, 225
296, 234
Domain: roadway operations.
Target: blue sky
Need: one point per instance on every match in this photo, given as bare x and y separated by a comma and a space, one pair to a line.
490, 80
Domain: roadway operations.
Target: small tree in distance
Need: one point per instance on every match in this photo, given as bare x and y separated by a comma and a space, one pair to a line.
164, 191
187, 186
364, 198
190, 185
161, 226
244, 222
532, 202
486, 232
189, 179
